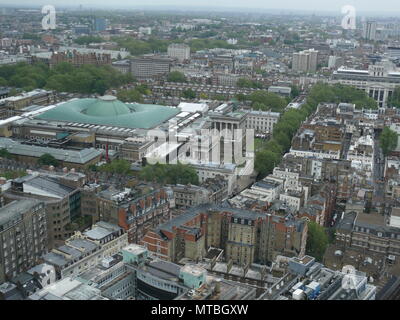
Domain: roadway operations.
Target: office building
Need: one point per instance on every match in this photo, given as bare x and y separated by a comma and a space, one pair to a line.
61, 202
87, 249
23, 236
379, 81
150, 67
99, 24
179, 51
262, 121
307, 279
369, 30
305, 61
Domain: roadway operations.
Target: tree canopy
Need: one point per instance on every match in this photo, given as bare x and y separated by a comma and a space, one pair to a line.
88, 39
119, 166
317, 241
188, 94
170, 173
4, 153
341, 93
388, 140
176, 76
131, 95
139, 47
247, 83
264, 100
394, 100
48, 160
63, 77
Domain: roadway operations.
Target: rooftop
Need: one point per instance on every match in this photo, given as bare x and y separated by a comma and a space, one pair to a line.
15, 209
107, 110
72, 156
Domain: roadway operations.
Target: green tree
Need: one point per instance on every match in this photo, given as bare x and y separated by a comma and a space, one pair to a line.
295, 91
143, 89
394, 100
176, 76
3, 82
338, 93
317, 241
244, 83
247, 83
63, 77
88, 39
388, 140
4, 153
188, 94
119, 166
265, 162
131, 95
47, 160
203, 95
264, 100
170, 173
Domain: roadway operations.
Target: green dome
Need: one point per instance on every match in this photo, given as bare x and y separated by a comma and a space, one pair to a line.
106, 106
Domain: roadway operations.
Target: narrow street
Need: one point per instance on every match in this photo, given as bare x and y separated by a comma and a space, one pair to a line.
378, 175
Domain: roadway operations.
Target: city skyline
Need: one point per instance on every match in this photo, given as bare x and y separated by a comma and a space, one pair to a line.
386, 7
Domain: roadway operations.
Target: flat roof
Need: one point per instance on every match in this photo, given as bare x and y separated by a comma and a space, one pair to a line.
72, 156
15, 209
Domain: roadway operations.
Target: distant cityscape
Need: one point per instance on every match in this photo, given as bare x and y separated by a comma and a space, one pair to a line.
190, 155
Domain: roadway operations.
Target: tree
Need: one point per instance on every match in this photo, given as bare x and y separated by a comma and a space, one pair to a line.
317, 241
88, 39
132, 95
388, 140
188, 94
338, 93
3, 82
202, 95
143, 89
4, 153
47, 160
119, 166
264, 100
176, 76
170, 173
295, 91
241, 97
265, 162
243, 83
64, 77
247, 83
394, 100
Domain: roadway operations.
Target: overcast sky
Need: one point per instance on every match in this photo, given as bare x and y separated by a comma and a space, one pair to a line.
392, 6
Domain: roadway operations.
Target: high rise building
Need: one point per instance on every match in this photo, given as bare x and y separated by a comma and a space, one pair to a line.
59, 197
335, 62
180, 51
369, 31
100, 24
23, 236
305, 60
